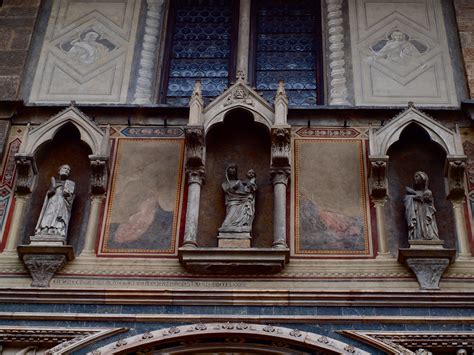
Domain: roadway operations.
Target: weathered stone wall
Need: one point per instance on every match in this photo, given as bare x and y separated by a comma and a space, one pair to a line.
17, 20
465, 19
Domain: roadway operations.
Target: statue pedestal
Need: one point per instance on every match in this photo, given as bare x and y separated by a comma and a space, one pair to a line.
48, 239
234, 239
428, 260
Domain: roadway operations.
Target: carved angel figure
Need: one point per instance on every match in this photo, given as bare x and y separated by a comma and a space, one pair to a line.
420, 210
239, 201
56, 211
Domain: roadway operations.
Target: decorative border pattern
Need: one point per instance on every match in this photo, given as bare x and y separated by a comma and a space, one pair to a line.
279, 334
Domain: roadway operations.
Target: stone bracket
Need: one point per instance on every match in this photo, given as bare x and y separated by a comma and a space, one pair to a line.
281, 146
455, 171
26, 172
99, 174
195, 147
428, 265
234, 261
378, 176
43, 262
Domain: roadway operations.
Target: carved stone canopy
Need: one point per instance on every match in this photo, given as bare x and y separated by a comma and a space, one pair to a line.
380, 140
90, 134
239, 95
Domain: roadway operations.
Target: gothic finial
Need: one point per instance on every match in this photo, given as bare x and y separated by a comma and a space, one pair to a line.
197, 89
411, 104
281, 89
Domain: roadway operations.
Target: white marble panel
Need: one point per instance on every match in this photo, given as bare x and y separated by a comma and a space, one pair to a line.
87, 52
400, 53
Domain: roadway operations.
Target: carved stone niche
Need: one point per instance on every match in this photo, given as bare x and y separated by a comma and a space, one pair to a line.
46, 253
221, 121
401, 137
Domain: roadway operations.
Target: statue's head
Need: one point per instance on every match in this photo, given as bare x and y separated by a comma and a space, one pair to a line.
231, 171
421, 179
64, 170
251, 174
398, 36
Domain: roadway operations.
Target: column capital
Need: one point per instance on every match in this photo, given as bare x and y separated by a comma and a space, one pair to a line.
280, 175
196, 175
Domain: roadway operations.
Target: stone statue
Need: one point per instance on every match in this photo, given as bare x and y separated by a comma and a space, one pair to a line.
239, 201
420, 210
56, 211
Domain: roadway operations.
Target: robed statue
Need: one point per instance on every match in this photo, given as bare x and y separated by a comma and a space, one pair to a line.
420, 210
56, 211
239, 200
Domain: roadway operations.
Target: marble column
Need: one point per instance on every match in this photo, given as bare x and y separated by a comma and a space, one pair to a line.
280, 181
460, 223
91, 232
243, 48
383, 251
17, 219
195, 180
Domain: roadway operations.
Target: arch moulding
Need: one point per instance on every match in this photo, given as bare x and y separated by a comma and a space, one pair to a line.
307, 340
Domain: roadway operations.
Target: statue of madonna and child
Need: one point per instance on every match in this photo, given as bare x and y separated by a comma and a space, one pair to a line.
240, 208
420, 211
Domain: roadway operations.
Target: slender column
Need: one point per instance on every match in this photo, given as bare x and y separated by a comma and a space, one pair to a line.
460, 223
91, 232
244, 38
195, 180
18, 213
383, 251
280, 180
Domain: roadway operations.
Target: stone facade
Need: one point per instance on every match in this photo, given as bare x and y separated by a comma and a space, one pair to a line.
17, 21
316, 254
464, 16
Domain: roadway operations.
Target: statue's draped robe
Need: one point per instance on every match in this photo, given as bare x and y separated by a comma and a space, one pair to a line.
240, 204
57, 209
420, 215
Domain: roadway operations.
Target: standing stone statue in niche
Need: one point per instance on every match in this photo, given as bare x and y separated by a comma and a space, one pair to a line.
239, 201
56, 211
420, 210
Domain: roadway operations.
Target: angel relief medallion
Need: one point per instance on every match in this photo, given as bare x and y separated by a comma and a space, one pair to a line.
87, 47
398, 50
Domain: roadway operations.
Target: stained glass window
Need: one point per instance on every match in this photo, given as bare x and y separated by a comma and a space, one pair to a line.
200, 49
287, 48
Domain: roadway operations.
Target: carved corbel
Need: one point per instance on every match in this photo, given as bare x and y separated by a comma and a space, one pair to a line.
195, 147
99, 174
281, 147
26, 172
378, 177
455, 171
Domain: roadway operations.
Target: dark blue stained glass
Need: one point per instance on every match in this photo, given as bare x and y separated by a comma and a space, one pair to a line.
184, 86
285, 42
192, 68
294, 80
286, 61
286, 49
200, 49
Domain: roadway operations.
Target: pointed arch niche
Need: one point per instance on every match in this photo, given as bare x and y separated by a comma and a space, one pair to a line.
70, 137
230, 338
237, 127
410, 142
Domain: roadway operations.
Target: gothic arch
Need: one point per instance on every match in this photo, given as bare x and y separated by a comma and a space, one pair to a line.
382, 139
310, 341
90, 133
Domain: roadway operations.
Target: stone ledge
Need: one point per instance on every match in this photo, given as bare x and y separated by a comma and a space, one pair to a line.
408, 253
234, 261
